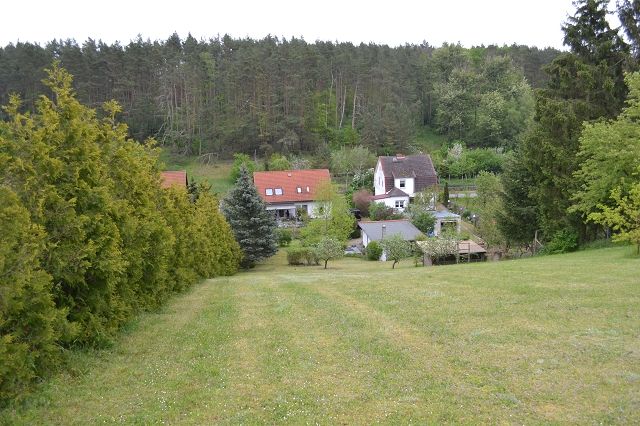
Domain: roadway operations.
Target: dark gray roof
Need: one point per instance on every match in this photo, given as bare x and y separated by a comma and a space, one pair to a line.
420, 167
395, 192
404, 228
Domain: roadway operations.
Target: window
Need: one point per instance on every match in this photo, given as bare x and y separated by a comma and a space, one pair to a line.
307, 189
402, 183
299, 190
399, 204
268, 191
278, 191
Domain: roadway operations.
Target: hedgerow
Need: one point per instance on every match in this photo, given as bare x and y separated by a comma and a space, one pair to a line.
88, 237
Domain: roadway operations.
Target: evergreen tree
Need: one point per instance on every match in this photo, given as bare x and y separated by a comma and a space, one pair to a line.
584, 85
253, 226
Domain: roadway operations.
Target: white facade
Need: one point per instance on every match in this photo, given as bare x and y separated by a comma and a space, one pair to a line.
398, 203
289, 210
405, 185
378, 180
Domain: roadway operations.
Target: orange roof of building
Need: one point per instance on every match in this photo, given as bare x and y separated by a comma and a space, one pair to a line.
174, 178
296, 185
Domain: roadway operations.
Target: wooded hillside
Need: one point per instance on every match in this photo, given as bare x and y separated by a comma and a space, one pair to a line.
229, 95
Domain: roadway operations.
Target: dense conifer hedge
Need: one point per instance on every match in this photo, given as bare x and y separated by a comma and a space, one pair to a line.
87, 237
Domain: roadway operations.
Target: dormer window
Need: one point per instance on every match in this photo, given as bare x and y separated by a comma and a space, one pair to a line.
403, 183
278, 191
268, 191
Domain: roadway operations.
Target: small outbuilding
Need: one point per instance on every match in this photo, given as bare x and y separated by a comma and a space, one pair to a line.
381, 229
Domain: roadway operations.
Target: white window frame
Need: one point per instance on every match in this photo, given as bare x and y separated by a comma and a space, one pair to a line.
399, 204
268, 191
402, 183
278, 191
299, 190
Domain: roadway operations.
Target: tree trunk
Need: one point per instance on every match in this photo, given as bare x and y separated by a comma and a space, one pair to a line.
344, 100
353, 113
325, 263
394, 264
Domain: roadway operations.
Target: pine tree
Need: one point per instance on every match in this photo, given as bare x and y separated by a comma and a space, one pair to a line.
253, 226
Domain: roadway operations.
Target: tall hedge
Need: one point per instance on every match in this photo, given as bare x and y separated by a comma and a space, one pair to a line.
88, 236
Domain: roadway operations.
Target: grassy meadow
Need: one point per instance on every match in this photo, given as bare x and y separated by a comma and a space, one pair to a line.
543, 340
217, 174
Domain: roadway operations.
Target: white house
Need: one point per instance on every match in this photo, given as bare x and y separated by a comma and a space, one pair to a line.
286, 192
408, 174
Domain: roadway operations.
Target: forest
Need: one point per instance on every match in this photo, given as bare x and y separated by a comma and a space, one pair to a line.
224, 95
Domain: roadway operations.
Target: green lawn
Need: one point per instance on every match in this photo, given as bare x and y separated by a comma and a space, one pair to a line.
216, 174
544, 340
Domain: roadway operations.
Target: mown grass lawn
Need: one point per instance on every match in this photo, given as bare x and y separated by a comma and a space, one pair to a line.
550, 339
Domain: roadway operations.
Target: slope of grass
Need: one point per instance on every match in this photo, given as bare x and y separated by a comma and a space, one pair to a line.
550, 339
216, 174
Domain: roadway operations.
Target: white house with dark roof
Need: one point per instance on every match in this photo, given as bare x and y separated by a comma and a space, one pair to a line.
399, 178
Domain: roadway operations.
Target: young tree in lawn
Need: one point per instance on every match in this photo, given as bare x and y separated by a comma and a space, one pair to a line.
396, 249
253, 226
333, 218
328, 249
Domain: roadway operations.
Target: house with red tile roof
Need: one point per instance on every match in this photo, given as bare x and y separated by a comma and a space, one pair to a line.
174, 178
286, 192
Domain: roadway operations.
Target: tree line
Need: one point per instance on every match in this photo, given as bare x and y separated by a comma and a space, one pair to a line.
227, 95
573, 175
88, 238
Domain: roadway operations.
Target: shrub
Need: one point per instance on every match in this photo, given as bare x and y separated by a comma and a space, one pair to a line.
297, 255
373, 251
284, 236
563, 241
361, 201
424, 221
379, 211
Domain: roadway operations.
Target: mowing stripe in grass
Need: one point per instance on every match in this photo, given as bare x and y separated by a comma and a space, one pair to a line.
144, 378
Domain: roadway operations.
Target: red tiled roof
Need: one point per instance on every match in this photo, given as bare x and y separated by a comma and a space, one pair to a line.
173, 178
289, 181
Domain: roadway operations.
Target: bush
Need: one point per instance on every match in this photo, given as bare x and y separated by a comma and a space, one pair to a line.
361, 200
379, 211
424, 221
283, 236
297, 255
373, 250
563, 241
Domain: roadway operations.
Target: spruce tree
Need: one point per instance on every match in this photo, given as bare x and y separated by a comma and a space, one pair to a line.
253, 226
